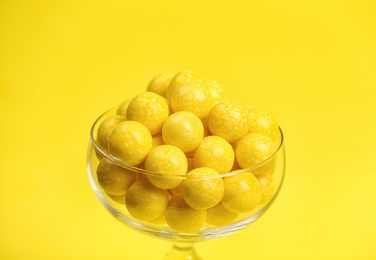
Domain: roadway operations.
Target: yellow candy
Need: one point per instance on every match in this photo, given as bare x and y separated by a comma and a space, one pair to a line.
217, 90
193, 98
267, 188
242, 192
214, 152
130, 142
122, 109
161, 220
160, 83
118, 199
183, 78
203, 193
253, 149
149, 109
229, 120
167, 160
145, 201
219, 215
190, 164
105, 129
184, 130
113, 179
176, 190
182, 218
263, 121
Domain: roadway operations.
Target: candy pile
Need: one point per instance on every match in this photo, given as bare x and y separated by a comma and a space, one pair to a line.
185, 129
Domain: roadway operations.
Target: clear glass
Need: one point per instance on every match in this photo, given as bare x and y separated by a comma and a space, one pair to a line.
183, 242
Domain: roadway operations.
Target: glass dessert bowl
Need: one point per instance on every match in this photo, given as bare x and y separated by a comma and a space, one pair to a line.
247, 194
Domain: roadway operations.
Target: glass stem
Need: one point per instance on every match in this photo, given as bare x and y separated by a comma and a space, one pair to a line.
182, 251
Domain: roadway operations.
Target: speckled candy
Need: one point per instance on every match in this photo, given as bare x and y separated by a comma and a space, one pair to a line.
242, 192
167, 160
149, 109
214, 152
145, 201
122, 109
183, 78
130, 142
105, 129
204, 192
229, 120
263, 121
160, 83
219, 215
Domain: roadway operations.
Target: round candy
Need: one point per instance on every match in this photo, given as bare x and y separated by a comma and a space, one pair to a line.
160, 83
214, 152
157, 140
183, 78
113, 179
203, 192
130, 142
159, 220
122, 109
184, 130
253, 149
145, 201
182, 218
193, 98
263, 121
229, 120
105, 129
219, 215
167, 160
149, 109
242, 192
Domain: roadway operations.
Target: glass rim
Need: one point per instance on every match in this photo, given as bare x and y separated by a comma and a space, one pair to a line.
119, 163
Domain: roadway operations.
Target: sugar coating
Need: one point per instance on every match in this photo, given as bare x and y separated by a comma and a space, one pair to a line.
206, 127
203, 193
130, 142
160, 83
149, 109
105, 129
157, 140
263, 121
214, 152
122, 109
184, 130
167, 160
229, 120
113, 179
242, 192
183, 78
145, 201
268, 187
253, 149
193, 98
219, 215
183, 218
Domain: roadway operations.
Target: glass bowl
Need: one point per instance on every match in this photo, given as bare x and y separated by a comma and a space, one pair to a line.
273, 169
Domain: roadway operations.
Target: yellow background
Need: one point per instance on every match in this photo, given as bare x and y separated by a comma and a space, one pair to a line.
62, 63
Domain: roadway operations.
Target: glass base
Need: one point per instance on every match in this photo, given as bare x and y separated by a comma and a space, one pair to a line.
182, 251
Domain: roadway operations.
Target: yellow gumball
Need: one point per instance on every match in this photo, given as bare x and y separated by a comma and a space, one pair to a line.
184, 130
149, 109
217, 91
122, 109
242, 192
253, 149
183, 78
219, 215
203, 192
161, 220
167, 160
193, 98
229, 120
145, 201
160, 83
182, 218
113, 179
263, 121
130, 142
214, 152
105, 129
157, 140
